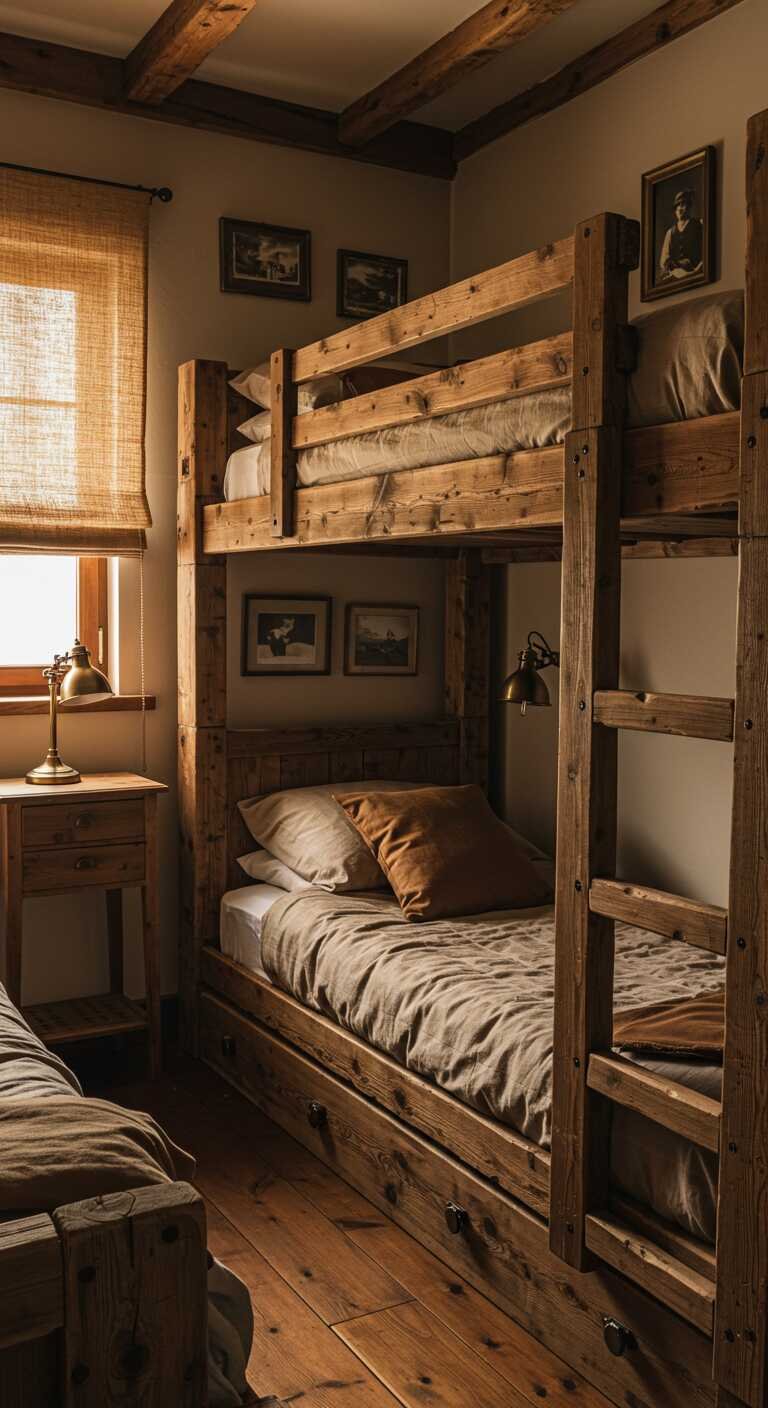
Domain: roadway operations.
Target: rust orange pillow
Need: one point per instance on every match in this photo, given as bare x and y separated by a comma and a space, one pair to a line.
444, 851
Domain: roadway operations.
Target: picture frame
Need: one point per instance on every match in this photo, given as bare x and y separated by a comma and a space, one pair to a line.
267, 261
369, 284
381, 638
285, 635
679, 235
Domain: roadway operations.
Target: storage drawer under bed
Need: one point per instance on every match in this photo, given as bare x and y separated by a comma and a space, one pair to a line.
486, 1236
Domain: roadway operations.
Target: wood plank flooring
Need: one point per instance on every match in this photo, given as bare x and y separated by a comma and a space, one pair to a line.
349, 1311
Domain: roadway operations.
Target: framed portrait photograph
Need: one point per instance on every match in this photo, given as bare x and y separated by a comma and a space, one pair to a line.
270, 261
678, 247
381, 640
286, 635
368, 284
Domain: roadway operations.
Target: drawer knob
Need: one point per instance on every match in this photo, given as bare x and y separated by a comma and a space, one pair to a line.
228, 1047
456, 1218
84, 820
618, 1339
86, 863
317, 1115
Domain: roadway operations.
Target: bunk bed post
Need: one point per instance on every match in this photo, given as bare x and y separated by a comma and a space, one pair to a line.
741, 1315
605, 250
467, 659
202, 602
282, 482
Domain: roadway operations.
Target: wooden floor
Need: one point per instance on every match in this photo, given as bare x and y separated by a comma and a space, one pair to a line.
349, 1311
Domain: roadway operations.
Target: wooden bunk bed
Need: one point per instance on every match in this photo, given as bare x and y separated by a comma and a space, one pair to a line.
646, 1313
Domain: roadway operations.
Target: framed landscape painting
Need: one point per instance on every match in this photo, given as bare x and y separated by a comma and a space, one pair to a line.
381, 640
679, 225
270, 261
368, 284
285, 635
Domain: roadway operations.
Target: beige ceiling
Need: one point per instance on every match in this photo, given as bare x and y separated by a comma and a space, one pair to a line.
328, 52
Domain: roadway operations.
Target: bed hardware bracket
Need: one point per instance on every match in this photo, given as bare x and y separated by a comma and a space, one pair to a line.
618, 1339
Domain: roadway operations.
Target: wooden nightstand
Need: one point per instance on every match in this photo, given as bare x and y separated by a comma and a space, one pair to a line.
55, 840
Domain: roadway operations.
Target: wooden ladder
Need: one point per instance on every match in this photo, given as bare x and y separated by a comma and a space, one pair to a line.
587, 1077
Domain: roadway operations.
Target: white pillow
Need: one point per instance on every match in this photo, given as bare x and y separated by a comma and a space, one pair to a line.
254, 385
258, 428
260, 865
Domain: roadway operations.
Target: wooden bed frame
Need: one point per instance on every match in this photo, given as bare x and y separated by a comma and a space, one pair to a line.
90, 1303
647, 1314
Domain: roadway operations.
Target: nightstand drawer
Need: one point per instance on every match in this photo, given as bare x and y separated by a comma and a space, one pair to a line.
71, 867
80, 823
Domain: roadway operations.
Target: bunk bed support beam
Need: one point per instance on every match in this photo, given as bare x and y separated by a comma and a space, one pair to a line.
467, 659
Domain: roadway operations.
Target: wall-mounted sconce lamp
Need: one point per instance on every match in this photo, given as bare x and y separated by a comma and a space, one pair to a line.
526, 686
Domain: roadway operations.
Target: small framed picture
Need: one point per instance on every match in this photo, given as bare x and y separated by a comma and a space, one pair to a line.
679, 225
270, 261
368, 284
286, 635
381, 640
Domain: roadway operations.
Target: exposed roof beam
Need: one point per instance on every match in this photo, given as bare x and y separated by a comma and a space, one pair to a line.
185, 34
79, 76
659, 28
497, 26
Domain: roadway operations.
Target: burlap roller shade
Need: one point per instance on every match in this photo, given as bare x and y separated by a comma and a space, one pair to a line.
73, 315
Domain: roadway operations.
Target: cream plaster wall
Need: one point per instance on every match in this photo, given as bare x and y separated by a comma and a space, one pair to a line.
343, 204
678, 617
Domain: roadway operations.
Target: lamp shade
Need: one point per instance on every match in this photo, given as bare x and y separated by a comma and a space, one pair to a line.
526, 686
83, 682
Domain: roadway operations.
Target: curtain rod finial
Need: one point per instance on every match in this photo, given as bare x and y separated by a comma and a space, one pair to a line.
163, 193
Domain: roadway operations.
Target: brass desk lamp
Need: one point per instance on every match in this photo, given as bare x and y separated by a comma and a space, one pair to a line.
526, 686
72, 680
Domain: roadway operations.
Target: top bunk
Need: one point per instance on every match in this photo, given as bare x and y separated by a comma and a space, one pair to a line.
679, 477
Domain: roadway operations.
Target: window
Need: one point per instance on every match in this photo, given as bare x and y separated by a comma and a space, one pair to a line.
50, 600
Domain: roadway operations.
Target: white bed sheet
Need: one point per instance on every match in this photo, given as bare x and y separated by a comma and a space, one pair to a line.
240, 919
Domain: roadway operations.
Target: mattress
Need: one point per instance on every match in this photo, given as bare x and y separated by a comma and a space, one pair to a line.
688, 365
240, 919
468, 1004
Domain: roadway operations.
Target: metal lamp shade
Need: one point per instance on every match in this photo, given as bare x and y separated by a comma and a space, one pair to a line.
83, 682
526, 686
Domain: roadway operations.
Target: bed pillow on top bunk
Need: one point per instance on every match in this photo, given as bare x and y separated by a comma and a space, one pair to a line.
254, 385
306, 829
689, 360
444, 851
262, 865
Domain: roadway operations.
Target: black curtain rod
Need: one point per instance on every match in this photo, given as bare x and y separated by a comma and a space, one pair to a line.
163, 193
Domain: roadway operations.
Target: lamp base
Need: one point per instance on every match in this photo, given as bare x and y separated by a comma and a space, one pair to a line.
53, 772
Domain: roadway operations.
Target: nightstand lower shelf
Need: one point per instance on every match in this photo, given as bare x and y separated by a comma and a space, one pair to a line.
110, 1014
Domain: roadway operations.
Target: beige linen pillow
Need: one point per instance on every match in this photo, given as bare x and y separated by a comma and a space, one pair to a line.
444, 851
310, 833
261, 865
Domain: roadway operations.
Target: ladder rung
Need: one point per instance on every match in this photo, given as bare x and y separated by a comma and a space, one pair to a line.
690, 715
702, 925
686, 1112
660, 1274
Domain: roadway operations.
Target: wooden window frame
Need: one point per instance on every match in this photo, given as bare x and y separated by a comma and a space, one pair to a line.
23, 681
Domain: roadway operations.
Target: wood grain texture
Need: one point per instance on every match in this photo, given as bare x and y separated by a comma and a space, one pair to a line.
76, 867
467, 659
756, 317
95, 785
687, 1112
685, 1291
682, 466
282, 456
31, 1297
499, 1153
12, 893
341, 738
647, 35
135, 1298
96, 80
487, 295
73, 823
687, 715
700, 1256
80, 1018
16, 706
516, 372
469, 46
689, 921
179, 41
202, 764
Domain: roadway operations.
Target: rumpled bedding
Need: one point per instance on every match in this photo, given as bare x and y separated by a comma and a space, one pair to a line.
468, 1004
688, 365
57, 1146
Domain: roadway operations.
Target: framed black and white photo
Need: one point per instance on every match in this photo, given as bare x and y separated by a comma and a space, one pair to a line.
271, 261
368, 284
381, 640
286, 635
679, 225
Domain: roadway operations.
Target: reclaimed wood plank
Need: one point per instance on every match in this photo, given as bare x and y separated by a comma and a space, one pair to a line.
681, 466
661, 1275
687, 715
31, 1292
689, 921
178, 42
282, 456
676, 1107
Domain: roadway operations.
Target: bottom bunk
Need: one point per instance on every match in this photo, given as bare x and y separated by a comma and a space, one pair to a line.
621, 1338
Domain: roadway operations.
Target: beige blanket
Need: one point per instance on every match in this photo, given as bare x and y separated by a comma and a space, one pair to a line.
468, 1003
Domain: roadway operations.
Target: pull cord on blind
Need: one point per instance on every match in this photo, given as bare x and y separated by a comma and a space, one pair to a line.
73, 321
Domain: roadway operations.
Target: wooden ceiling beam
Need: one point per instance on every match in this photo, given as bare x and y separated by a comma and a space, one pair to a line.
97, 80
495, 27
653, 32
183, 36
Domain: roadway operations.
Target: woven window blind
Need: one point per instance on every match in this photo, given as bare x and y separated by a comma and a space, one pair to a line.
73, 315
